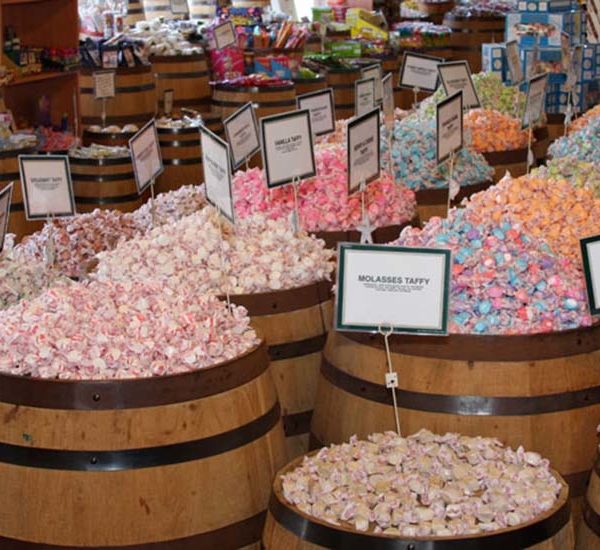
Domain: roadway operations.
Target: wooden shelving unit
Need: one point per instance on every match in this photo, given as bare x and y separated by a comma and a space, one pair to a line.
42, 23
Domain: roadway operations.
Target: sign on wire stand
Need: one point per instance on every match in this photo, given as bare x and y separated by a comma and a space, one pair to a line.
5, 198
145, 156
449, 123
388, 99
322, 110
590, 252
104, 84
168, 97
364, 96
224, 35
513, 60
456, 77
419, 71
364, 150
534, 103
374, 72
241, 131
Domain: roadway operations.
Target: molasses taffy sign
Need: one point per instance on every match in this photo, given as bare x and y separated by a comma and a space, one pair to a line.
590, 253
403, 289
216, 163
364, 151
456, 77
5, 198
241, 131
419, 71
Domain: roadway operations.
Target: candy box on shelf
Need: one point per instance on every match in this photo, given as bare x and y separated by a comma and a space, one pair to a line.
345, 48
590, 62
546, 6
543, 28
273, 66
557, 97
366, 24
493, 59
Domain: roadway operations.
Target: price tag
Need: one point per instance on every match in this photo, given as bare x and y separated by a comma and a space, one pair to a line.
321, 107
104, 84
224, 35
168, 101
449, 121
363, 145
216, 163
145, 156
419, 71
288, 152
388, 99
179, 7
110, 59
374, 72
5, 198
241, 130
47, 186
364, 96
456, 77
514, 62
403, 288
534, 103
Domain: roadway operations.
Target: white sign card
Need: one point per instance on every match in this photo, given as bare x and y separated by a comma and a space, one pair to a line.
380, 286
47, 186
456, 77
179, 7
104, 84
364, 96
168, 97
449, 122
287, 147
145, 156
321, 107
374, 71
514, 62
419, 71
388, 98
534, 103
574, 67
5, 198
216, 163
364, 149
590, 252
241, 131
224, 35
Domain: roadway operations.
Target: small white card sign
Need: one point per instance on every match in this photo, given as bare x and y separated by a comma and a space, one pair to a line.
364, 96
47, 186
456, 77
145, 156
449, 121
216, 163
179, 7
287, 147
168, 97
534, 104
5, 198
241, 131
224, 35
514, 62
388, 98
574, 67
364, 151
419, 71
399, 288
590, 252
374, 72
104, 84
321, 107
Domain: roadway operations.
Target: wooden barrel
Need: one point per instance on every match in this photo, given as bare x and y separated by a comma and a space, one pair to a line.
381, 235
541, 143
434, 202
288, 527
106, 184
307, 85
135, 13
541, 391
514, 162
434, 8
342, 82
117, 139
187, 76
203, 9
469, 33
9, 172
294, 324
160, 8
214, 123
135, 99
182, 158
556, 126
268, 101
182, 461
588, 530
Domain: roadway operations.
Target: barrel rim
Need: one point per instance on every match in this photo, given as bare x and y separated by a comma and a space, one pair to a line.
16, 152
485, 347
138, 69
460, 18
316, 531
176, 131
108, 135
111, 161
220, 86
310, 80
177, 58
427, 197
131, 393
380, 234
513, 156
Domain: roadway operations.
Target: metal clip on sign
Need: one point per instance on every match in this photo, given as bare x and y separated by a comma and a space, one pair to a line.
391, 377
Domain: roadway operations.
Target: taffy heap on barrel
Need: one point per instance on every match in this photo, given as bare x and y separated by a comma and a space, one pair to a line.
583, 144
423, 485
576, 172
415, 163
585, 119
491, 130
323, 201
503, 280
554, 210
259, 255
128, 329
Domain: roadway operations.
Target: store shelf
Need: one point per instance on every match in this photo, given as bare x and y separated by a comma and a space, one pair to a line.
39, 77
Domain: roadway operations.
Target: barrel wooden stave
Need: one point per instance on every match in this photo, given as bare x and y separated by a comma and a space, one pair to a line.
436, 376
227, 426
514, 162
135, 13
182, 159
588, 530
268, 101
342, 83
308, 85
135, 99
